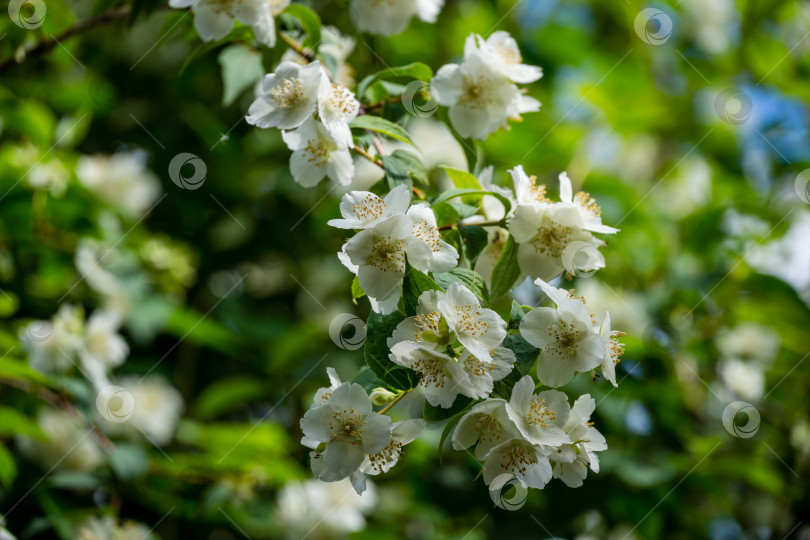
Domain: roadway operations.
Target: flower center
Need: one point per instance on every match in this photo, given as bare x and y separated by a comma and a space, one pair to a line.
615, 348
432, 370
565, 342
388, 255
509, 55
467, 320
347, 426
286, 94
538, 190
588, 203
517, 459
539, 414
476, 367
551, 238
476, 92
316, 152
370, 208
341, 100
488, 428
428, 322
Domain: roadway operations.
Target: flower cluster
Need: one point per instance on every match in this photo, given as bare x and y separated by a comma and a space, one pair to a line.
214, 19
392, 16
481, 91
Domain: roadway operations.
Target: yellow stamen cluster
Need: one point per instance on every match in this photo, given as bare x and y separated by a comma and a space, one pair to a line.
588, 203
551, 238
488, 428
370, 208
390, 454
538, 190
388, 255
428, 234
347, 426
476, 367
476, 92
428, 322
509, 55
539, 414
224, 6
432, 371
287, 93
615, 348
468, 320
518, 459
342, 100
316, 152
565, 340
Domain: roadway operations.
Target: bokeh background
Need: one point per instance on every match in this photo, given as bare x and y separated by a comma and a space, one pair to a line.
687, 121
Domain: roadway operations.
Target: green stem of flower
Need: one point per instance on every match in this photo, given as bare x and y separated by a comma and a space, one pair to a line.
393, 402
297, 47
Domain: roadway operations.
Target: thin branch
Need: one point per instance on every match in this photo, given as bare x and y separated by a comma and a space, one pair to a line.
46, 45
297, 47
393, 402
368, 156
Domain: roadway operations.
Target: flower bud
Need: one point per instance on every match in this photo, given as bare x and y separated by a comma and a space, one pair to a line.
381, 396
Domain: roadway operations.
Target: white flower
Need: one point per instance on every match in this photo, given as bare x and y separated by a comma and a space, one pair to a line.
390, 17
501, 52
402, 433
363, 209
749, 342
527, 190
744, 379
481, 100
102, 348
613, 350
377, 256
481, 376
589, 211
67, 446
441, 376
323, 510
444, 256
157, 408
317, 154
518, 457
287, 97
539, 417
571, 462
323, 394
479, 329
545, 232
52, 344
107, 528
350, 429
214, 19
486, 425
566, 339
121, 180
337, 107
94, 262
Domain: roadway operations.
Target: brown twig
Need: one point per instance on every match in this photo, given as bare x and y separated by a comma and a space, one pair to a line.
297, 47
46, 45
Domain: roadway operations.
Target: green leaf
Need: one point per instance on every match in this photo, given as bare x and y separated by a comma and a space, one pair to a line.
416, 70
16, 369
453, 193
395, 172
378, 329
463, 179
515, 316
13, 422
241, 68
475, 239
413, 164
525, 357
381, 125
310, 22
227, 395
128, 461
413, 285
357, 290
506, 271
367, 379
8, 467
446, 432
437, 414
466, 277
